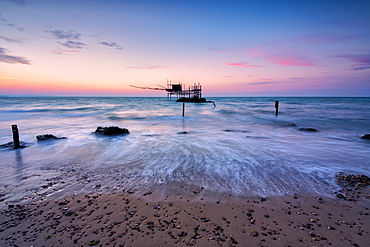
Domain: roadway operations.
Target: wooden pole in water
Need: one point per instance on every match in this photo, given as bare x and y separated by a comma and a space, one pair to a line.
16, 136
277, 108
183, 109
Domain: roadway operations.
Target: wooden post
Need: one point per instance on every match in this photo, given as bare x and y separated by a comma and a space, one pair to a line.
183, 109
16, 136
277, 108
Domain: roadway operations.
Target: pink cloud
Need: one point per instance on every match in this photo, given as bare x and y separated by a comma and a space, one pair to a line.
361, 62
290, 60
264, 82
245, 65
68, 51
229, 76
282, 57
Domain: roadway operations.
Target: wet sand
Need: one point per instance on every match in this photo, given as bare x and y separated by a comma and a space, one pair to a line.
140, 219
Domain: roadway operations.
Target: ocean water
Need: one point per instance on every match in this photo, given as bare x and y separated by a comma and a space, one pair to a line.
238, 147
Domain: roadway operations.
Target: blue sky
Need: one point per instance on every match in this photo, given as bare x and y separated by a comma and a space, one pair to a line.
233, 48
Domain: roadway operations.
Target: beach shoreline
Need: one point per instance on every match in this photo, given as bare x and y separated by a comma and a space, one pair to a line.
129, 218
234, 175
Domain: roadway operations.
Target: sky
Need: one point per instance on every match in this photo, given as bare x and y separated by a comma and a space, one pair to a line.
233, 48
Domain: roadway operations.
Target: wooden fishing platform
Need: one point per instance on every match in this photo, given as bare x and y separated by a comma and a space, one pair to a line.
181, 92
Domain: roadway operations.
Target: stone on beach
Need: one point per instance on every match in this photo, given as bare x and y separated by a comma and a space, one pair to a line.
350, 185
122, 219
352, 180
111, 131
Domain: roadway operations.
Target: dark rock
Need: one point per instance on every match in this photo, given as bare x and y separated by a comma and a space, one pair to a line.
352, 180
291, 125
340, 196
241, 131
69, 213
111, 131
308, 129
330, 227
63, 203
11, 145
183, 133
351, 186
366, 136
7, 145
48, 137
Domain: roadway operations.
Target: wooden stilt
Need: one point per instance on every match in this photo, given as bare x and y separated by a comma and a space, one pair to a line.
277, 108
16, 136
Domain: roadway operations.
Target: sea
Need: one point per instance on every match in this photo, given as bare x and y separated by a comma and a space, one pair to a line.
237, 146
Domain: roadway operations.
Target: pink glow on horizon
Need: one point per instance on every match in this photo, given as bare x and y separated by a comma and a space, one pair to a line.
245, 65
30, 87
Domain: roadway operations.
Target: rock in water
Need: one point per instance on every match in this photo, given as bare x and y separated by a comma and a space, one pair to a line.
48, 137
308, 129
11, 145
111, 131
366, 136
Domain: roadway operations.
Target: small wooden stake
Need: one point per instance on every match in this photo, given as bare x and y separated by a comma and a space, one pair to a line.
16, 136
183, 109
277, 108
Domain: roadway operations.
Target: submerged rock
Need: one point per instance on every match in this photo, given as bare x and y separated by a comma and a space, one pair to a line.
11, 145
241, 131
48, 137
111, 131
366, 136
308, 129
291, 125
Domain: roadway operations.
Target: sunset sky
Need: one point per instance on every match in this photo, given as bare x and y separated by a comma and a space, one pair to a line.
233, 48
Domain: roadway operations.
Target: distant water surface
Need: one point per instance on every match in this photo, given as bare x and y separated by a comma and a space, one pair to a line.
238, 147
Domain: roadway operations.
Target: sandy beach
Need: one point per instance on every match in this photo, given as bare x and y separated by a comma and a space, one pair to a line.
139, 219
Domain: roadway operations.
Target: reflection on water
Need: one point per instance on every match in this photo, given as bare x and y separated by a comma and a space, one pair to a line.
19, 165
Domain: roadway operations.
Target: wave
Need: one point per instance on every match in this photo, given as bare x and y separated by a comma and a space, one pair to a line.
36, 110
238, 146
117, 118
